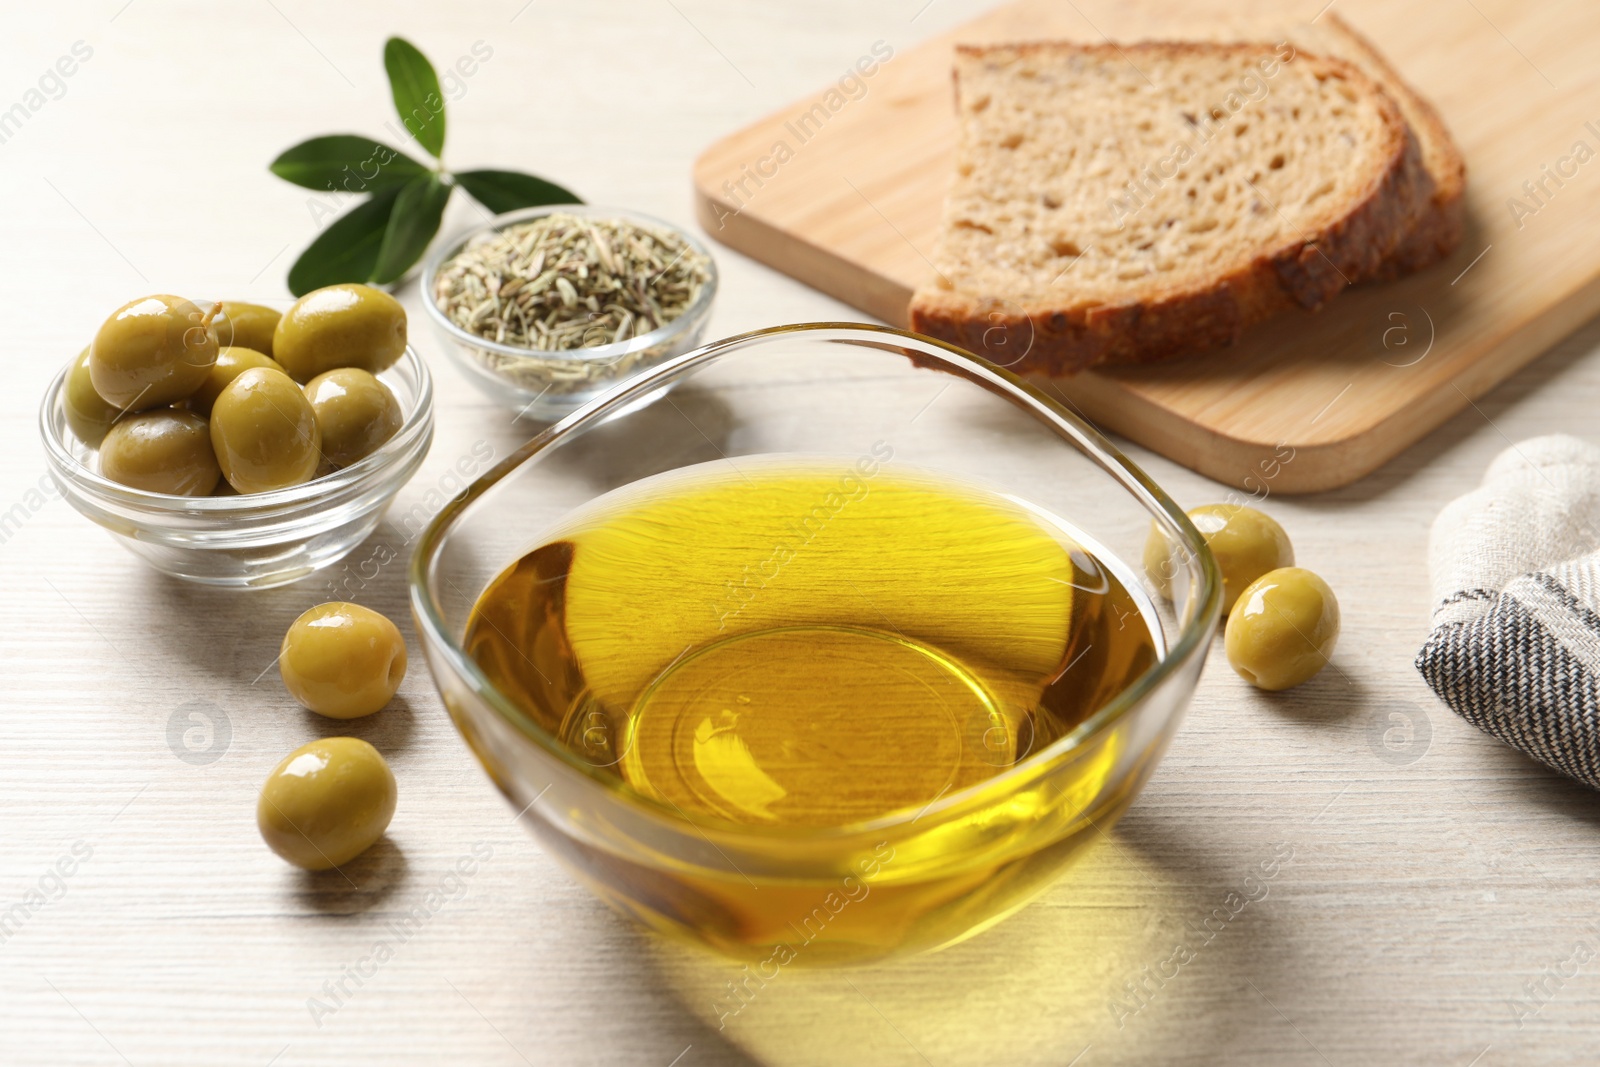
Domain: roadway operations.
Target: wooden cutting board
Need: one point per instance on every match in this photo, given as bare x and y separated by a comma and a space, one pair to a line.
843, 190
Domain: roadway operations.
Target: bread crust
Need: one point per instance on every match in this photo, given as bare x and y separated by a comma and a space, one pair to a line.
1304, 270
1438, 229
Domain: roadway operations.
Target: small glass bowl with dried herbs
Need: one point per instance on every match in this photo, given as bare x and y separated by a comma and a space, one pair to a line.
546, 308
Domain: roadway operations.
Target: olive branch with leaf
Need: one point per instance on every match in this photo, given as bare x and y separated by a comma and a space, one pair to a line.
380, 238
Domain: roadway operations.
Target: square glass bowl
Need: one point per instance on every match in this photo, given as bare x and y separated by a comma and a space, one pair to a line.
257, 540
907, 880
544, 386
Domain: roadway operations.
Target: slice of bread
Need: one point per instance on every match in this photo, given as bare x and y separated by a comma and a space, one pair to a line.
1437, 230
1128, 204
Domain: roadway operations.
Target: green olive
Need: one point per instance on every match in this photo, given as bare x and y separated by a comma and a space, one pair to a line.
88, 414
1283, 629
151, 352
1247, 545
1245, 542
264, 432
232, 361
355, 411
342, 660
164, 451
241, 325
340, 326
326, 803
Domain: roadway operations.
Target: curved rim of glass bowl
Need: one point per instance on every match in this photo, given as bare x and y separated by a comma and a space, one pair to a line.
1192, 640
413, 431
597, 353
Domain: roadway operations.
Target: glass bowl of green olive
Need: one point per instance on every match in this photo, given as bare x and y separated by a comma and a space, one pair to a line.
259, 471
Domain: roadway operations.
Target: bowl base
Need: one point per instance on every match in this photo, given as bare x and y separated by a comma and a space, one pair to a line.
266, 567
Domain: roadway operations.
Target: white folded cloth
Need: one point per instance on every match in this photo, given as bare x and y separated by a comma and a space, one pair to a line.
1515, 644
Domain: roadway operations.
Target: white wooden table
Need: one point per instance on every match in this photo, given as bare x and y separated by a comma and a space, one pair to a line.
1438, 886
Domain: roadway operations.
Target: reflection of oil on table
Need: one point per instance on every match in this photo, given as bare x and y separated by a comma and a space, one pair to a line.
851, 205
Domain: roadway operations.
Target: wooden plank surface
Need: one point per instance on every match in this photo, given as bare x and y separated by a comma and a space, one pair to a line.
1435, 876
843, 189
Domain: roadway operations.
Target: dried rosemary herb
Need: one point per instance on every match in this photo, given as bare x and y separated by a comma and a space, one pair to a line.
568, 281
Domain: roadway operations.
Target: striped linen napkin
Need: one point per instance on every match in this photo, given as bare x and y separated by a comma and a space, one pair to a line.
1515, 643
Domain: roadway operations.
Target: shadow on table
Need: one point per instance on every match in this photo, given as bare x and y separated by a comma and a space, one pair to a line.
1338, 695
360, 885
1503, 768
684, 427
1094, 963
390, 730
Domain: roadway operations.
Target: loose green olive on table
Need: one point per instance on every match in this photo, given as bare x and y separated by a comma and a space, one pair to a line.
1282, 620
342, 660
355, 411
340, 326
161, 451
326, 803
1246, 543
1283, 629
164, 353
264, 432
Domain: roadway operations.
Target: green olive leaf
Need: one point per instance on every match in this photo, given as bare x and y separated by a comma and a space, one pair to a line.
417, 98
346, 163
508, 190
347, 251
412, 224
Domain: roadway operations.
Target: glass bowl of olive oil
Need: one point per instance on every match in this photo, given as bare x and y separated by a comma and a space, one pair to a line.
834, 655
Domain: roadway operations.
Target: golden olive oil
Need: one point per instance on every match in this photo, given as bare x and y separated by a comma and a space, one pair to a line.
810, 642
